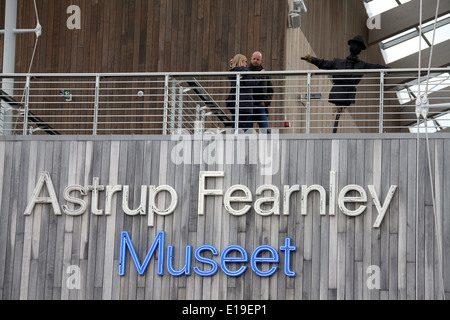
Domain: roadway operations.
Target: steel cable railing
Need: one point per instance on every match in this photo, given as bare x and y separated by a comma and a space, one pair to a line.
170, 103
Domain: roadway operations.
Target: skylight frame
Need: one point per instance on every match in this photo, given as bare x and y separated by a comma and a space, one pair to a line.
407, 93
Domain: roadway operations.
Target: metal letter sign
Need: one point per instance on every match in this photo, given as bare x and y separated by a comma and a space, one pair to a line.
35, 199
74, 21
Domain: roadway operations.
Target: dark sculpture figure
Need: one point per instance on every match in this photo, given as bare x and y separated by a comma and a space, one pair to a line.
343, 93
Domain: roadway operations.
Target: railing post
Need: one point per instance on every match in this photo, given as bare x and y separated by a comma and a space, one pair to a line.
96, 104
381, 101
198, 128
166, 104
236, 109
308, 104
173, 102
180, 109
27, 103
9, 54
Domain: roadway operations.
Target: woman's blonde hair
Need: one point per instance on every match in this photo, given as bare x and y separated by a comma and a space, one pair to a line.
238, 61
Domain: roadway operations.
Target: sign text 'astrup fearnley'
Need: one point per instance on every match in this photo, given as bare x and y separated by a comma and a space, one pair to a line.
277, 203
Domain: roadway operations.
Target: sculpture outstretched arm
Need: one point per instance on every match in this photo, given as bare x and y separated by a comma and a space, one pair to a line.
320, 63
308, 58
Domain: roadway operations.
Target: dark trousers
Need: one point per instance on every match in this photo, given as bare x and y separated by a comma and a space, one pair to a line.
261, 117
245, 122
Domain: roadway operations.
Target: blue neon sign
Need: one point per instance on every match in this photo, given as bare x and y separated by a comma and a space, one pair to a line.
233, 254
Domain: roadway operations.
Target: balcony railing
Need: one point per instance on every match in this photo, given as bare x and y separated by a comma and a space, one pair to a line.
170, 103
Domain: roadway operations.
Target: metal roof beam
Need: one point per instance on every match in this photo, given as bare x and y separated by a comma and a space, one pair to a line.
441, 58
414, 33
405, 17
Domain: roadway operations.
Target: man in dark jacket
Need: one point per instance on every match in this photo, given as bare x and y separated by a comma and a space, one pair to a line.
343, 93
262, 94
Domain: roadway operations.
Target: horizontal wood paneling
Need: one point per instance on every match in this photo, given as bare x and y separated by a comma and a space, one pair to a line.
333, 252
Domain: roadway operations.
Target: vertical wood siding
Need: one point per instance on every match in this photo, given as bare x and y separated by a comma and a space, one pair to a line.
333, 252
145, 36
190, 35
151, 36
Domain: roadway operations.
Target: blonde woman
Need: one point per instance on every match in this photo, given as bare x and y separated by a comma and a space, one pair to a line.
247, 83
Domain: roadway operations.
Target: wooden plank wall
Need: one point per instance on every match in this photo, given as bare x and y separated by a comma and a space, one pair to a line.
333, 253
151, 36
185, 35
2, 26
329, 24
148, 36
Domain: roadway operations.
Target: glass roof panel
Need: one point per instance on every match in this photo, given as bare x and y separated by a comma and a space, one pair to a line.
437, 82
407, 43
444, 121
403, 49
442, 34
437, 124
375, 7
430, 127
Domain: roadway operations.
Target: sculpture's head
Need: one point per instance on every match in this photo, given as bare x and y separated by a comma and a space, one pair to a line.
357, 44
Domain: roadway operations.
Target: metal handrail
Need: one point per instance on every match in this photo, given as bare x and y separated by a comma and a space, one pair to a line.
167, 103
218, 73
